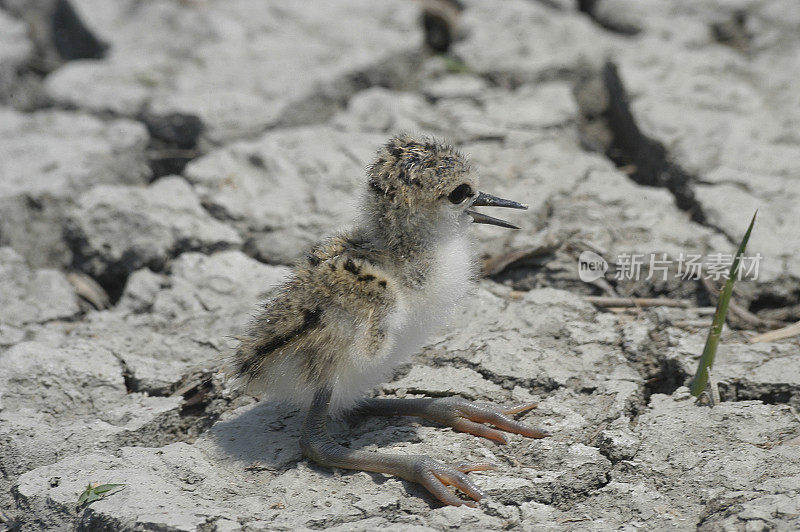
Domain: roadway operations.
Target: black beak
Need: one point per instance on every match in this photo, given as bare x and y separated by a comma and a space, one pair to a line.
487, 200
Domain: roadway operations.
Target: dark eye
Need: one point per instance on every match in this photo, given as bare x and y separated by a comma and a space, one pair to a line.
460, 193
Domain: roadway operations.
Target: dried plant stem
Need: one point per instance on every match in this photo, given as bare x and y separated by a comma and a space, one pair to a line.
778, 334
604, 301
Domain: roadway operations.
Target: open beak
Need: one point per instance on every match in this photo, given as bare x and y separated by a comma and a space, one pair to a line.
487, 200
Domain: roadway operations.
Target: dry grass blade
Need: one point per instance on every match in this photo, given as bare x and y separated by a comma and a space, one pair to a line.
549, 244
89, 289
602, 301
712, 340
778, 334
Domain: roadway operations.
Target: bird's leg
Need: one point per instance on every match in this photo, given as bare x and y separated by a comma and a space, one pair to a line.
320, 447
457, 412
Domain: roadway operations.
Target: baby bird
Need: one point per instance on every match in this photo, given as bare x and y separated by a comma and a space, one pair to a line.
363, 301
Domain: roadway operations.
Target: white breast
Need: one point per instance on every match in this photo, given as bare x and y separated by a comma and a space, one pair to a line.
418, 315
424, 312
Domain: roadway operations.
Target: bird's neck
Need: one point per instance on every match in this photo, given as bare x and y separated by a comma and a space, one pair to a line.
409, 240
410, 247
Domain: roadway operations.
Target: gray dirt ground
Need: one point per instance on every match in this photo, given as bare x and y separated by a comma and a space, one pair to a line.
163, 162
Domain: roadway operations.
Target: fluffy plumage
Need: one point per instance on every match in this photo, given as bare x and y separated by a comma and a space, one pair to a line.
361, 302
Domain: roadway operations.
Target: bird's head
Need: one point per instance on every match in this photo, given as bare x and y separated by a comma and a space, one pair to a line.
423, 185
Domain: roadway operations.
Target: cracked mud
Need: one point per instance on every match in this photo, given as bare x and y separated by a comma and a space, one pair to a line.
163, 162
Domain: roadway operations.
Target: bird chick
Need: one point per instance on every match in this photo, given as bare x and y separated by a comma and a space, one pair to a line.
363, 301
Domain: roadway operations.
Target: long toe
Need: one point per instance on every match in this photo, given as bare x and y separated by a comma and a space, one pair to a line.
436, 476
453, 477
469, 467
437, 488
518, 409
494, 415
473, 418
478, 429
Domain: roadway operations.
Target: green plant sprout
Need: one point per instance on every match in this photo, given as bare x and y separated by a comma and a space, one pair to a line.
455, 65
700, 380
95, 492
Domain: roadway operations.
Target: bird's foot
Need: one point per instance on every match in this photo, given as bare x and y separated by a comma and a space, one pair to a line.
436, 476
469, 416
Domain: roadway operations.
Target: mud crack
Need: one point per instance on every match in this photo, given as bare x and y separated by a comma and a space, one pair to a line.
608, 125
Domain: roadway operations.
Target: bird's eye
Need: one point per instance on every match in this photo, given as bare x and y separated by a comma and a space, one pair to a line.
460, 193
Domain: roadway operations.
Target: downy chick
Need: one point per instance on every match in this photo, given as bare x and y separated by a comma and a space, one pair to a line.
362, 302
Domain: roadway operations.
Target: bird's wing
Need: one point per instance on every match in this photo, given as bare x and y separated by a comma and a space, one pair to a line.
336, 299
283, 320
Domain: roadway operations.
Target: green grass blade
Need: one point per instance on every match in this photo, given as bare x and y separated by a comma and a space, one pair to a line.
103, 488
95, 493
712, 340
85, 495
455, 65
